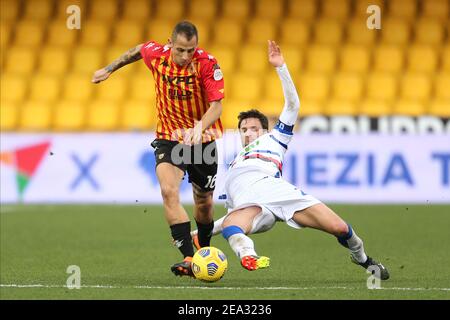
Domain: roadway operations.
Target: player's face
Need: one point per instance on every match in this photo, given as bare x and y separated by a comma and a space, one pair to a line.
183, 49
250, 130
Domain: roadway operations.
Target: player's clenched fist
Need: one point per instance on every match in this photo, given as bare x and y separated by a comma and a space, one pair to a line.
100, 75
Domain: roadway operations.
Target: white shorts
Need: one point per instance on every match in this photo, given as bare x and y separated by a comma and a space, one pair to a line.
277, 198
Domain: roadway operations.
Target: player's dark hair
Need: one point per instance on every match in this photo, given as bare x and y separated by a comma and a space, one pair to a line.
185, 28
253, 113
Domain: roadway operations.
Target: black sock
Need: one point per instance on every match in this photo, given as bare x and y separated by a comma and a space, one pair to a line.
204, 233
181, 234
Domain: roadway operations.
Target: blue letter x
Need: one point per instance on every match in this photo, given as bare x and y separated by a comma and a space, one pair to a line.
84, 171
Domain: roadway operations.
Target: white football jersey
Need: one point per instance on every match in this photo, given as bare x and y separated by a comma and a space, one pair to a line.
266, 153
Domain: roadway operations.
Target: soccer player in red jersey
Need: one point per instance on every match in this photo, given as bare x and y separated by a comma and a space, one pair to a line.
189, 89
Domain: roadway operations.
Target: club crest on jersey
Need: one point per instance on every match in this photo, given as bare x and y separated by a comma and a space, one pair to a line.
218, 74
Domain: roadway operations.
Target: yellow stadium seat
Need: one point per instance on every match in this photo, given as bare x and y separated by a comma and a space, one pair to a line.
354, 58
321, 59
9, 114
374, 108
14, 88
362, 5
336, 107
422, 58
272, 88
226, 58
429, 32
36, 116
170, 9
415, 87
328, 32
78, 87
253, 59
294, 32
245, 87
359, 34
203, 9
406, 9
440, 108
436, 9
69, 116
138, 115
347, 87
59, 35
9, 10
87, 59
388, 58
29, 33
103, 115
310, 107
204, 32
95, 33
38, 9
103, 10
409, 107
382, 87
142, 87
5, 35
294, 58
228, 33
160, 30
336, 9
304, 10
236, 9
269, 9
395, 31
114, 89
231, 110
259, 31
63, 5
137, 10
20, 60
45, 88
54, 61
442, 86
128, 33
445, 57
313, 87
270, 107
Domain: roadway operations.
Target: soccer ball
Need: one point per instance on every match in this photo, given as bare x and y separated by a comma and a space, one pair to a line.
209, 264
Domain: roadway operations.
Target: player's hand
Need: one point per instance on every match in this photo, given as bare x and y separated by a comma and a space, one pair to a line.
275, 57
193, 135
100, 75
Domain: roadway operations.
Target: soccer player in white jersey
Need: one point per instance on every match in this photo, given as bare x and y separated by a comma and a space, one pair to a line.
257, 196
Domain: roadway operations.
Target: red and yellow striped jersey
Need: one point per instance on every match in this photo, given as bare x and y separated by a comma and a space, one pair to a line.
183, 93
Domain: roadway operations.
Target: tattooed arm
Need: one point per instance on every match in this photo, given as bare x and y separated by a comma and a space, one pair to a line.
130, 56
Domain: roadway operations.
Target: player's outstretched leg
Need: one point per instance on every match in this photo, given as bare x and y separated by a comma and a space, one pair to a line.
235, 227
321, 217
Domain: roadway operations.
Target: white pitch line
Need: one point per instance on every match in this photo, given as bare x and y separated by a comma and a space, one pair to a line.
214, 288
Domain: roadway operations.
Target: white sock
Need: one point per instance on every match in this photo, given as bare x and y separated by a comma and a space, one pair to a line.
218, 226
356, 248
242, 245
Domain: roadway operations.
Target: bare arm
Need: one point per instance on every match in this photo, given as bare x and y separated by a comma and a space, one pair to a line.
132, 55
291, 100
194, 135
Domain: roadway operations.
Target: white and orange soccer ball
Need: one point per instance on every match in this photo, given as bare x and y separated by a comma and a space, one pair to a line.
209, 264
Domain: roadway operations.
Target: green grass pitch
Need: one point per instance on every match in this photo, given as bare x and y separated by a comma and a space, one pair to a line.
125, 252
